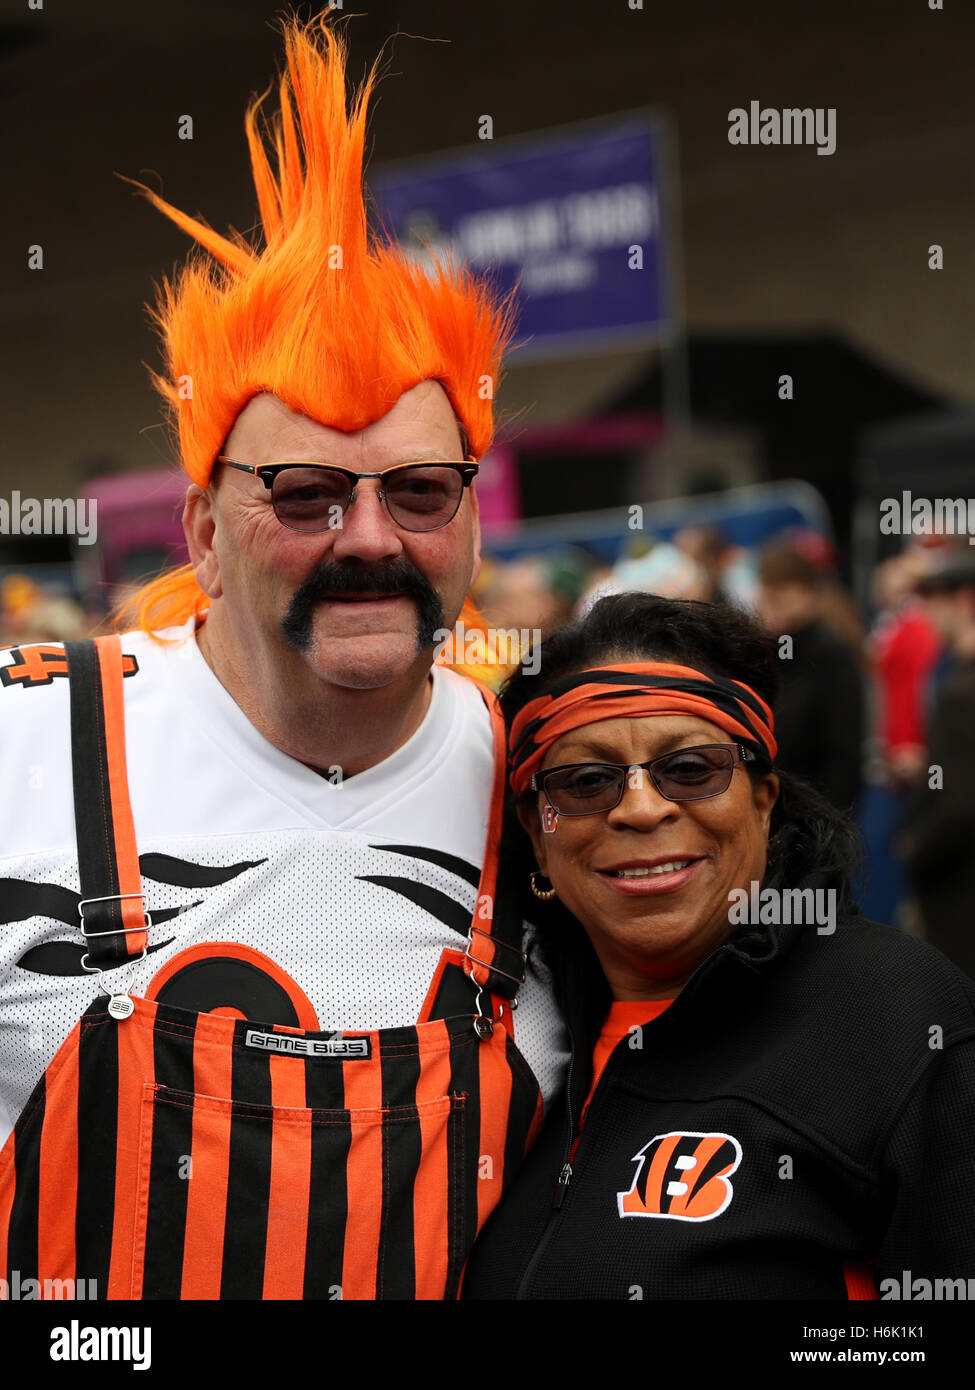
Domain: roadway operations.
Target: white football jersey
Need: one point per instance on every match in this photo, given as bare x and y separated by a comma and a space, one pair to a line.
266, 883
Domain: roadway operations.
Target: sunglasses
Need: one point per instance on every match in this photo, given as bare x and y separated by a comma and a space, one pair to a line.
689, 774
315, 496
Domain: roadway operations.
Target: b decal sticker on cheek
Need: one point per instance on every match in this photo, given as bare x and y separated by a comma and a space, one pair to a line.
550, 820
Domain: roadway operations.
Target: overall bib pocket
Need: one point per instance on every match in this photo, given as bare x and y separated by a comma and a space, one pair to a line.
290, 1202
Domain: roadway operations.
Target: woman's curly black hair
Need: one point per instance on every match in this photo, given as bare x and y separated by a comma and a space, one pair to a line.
811, 842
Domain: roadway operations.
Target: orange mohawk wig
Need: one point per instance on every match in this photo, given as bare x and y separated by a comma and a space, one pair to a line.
337, 323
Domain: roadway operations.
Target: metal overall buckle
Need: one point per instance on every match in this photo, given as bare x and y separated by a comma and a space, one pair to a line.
119, 1005
484, 1022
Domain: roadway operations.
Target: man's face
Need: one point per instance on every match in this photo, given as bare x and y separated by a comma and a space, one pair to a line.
275, 585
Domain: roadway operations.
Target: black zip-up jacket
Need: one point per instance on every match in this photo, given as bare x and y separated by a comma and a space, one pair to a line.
823, 1088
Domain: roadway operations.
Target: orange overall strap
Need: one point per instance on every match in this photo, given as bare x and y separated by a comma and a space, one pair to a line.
496, 927
113, 918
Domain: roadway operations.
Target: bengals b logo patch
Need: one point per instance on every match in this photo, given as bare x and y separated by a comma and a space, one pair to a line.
683, 1176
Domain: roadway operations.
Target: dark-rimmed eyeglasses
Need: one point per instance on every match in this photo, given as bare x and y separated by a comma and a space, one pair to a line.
687, 774
316, 496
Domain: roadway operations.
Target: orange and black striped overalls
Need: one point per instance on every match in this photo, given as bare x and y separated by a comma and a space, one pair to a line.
168, 1154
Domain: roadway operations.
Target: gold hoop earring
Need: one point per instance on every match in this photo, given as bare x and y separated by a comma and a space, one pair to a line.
545, 893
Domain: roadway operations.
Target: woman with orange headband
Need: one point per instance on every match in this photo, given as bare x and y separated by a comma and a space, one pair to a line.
770, 1097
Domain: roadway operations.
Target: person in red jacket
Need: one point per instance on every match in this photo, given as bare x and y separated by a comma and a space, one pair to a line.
904, 648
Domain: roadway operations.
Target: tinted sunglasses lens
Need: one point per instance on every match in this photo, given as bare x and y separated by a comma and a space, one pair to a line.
310, 499
694, 773
422, 499
582, 791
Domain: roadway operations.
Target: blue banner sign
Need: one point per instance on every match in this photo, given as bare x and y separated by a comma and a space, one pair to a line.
576, 216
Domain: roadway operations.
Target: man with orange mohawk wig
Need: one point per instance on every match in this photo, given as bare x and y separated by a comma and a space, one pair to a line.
259, 958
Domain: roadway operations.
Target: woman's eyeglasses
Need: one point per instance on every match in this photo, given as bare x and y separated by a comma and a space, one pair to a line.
689, 774
315, 496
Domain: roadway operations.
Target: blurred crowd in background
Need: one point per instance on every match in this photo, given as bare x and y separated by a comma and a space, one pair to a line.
877, 708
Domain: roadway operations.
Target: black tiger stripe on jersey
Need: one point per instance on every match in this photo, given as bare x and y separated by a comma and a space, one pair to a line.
453, 863
184, 873
440, 905
22, 899
65, 958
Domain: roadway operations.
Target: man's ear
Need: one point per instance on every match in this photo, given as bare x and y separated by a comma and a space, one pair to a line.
199, 525
530, 823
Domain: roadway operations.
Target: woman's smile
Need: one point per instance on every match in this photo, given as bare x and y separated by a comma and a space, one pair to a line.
648, 877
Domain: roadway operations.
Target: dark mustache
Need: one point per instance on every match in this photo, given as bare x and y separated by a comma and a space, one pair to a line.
389, 577
331, 580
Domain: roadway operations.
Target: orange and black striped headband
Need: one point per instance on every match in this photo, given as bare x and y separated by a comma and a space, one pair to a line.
633, 691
